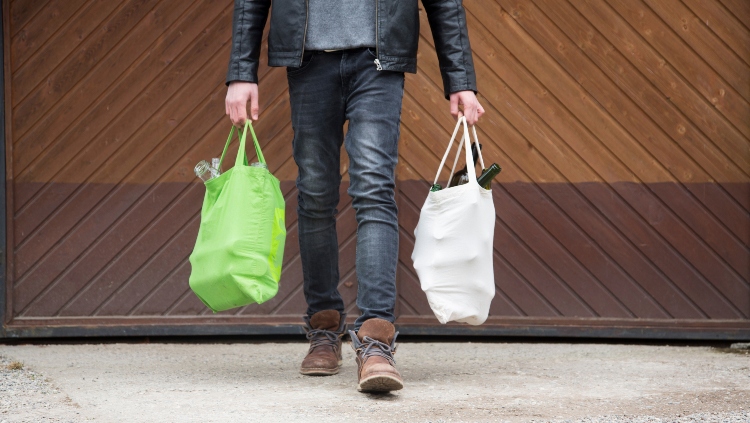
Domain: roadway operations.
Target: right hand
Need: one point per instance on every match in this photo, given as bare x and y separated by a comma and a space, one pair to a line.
238, 94
471, 107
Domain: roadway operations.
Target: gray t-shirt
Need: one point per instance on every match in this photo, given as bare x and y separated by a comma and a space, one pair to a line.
340, 24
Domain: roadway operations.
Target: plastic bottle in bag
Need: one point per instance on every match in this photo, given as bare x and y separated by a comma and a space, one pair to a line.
205, 171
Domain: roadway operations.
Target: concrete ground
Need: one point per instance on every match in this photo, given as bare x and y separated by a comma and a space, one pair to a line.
445, 382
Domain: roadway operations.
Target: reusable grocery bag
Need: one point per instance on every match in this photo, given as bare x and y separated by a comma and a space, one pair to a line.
238, 254
453, 247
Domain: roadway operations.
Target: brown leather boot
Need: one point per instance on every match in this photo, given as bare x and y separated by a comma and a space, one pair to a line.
324, 330
375, 344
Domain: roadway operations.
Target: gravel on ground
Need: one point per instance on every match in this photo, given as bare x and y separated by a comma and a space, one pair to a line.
28, 396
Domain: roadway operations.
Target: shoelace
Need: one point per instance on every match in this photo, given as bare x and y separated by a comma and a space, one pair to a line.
321, 337
374, 347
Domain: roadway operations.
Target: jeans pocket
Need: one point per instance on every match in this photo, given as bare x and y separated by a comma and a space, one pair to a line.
307, 60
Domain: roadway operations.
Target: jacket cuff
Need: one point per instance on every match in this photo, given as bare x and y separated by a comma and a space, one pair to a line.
450, 87
459, 88
246, 72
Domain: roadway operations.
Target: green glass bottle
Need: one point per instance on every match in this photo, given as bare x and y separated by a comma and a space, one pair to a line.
485, 179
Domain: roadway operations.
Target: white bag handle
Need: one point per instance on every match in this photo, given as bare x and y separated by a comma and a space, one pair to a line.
479, 150
455, 161
469, 158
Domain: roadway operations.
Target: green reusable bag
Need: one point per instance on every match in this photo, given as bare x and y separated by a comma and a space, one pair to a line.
237, 256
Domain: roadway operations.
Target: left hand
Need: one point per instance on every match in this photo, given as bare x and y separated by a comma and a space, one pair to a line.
471, 107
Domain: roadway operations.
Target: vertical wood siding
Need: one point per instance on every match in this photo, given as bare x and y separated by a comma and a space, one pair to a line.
622, 126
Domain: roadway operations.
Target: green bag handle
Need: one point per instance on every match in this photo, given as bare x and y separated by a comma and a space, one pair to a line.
261, 159
241, 154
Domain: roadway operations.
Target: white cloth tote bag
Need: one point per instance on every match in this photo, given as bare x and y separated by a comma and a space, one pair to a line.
453, 248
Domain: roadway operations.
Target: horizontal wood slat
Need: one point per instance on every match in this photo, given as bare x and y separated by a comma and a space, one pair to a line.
621, 126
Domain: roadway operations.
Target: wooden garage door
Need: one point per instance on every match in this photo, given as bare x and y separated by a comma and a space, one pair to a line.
622, 127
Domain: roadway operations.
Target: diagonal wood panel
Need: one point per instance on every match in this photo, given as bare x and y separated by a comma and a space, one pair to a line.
724, 24
41, 28
739, 9
675, 232
622, 128
21, 12
733, 295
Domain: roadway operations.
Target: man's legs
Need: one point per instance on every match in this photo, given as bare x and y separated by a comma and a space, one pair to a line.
318, 120
325, 91
373, 108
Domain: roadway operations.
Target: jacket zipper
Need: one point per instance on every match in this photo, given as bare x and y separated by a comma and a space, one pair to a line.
377, 50
304, 35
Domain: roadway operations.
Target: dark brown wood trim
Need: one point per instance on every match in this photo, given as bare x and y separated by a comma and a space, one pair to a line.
286, 325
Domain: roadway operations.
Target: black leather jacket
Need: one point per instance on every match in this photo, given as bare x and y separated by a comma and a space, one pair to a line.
397, 37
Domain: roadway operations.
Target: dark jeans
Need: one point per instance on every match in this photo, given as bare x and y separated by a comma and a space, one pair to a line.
326, 91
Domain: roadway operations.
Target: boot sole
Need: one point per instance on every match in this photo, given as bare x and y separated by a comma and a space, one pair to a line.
380, 383
321, 371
